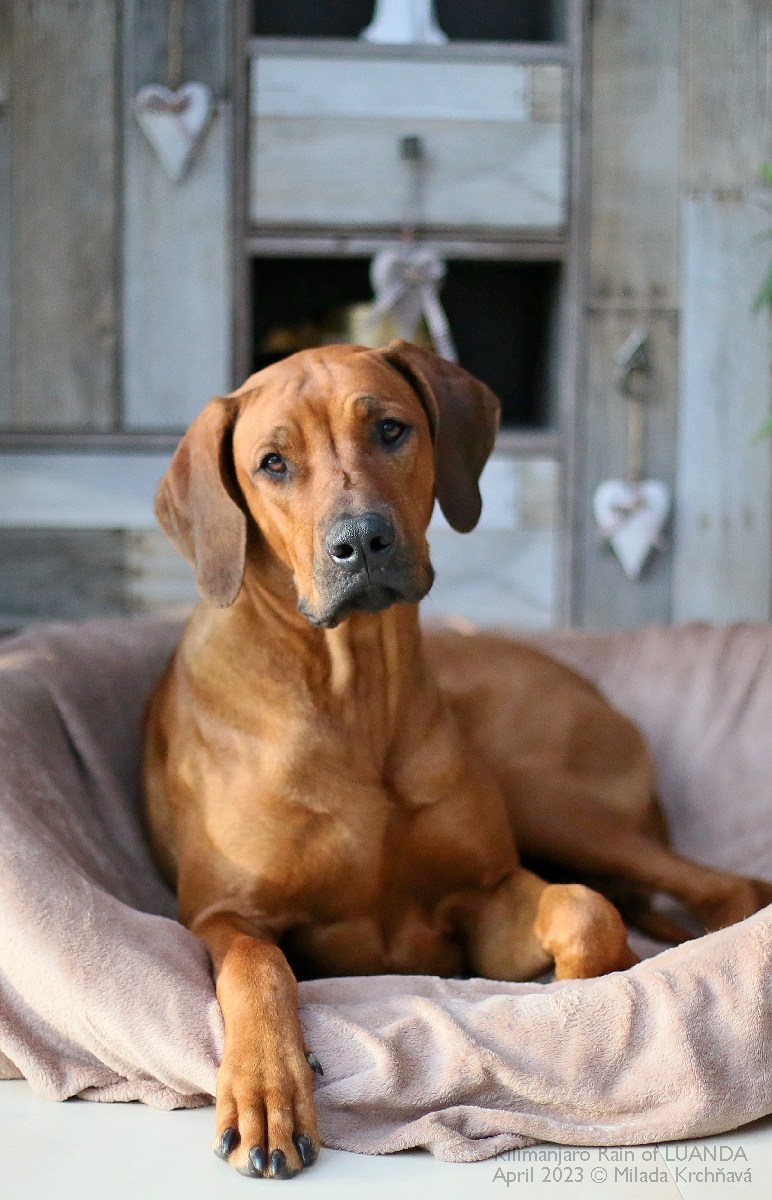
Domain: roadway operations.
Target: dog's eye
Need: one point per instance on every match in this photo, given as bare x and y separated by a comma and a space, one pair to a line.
391, 431
273, 464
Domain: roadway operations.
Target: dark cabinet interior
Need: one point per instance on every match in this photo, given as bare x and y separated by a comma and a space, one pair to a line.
503, 316
461, 20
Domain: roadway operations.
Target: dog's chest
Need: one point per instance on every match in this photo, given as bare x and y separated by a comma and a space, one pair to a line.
346, 847
365, 850
366, 886
386, 904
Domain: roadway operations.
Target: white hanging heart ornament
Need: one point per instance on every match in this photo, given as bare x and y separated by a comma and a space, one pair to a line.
631, 516
174, 123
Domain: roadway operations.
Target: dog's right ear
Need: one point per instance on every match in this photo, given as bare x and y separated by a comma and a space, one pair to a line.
463, 416
196, 504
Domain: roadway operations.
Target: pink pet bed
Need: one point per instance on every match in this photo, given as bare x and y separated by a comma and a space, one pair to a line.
103, 995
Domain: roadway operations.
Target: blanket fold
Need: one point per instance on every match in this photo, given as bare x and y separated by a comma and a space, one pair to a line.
104, 995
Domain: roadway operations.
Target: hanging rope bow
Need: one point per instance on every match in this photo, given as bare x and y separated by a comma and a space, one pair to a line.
406, 282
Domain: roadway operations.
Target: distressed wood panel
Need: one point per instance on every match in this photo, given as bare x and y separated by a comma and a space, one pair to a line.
60, 575
79, 491
494, 145
176, 284
609, 599
724, 530
285, 85
204, 42
176, 249
65, 214
487, 176
158, 579
6, 35
727, 88
724, 498
493, 579
634, 117
634, 121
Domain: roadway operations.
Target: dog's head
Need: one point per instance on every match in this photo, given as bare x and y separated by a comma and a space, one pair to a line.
330, 461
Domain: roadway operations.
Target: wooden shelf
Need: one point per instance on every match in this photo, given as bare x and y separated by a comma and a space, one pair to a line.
266, 243
74, 441
549, 53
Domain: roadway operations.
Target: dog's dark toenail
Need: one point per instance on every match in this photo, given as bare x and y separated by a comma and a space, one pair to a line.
257, 1160
305, 1150
279, 1168
228, 1142
314, 1063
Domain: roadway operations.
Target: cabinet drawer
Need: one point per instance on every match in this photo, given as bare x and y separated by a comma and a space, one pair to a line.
326, 137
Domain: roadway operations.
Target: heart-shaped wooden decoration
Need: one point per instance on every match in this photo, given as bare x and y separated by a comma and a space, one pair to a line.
632, 516
174, 123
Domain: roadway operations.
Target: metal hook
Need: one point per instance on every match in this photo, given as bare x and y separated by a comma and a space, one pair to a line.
633, 364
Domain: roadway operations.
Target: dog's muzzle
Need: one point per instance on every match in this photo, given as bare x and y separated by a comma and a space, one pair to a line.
365, 569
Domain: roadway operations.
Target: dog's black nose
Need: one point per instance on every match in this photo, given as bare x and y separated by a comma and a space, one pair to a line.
357, 542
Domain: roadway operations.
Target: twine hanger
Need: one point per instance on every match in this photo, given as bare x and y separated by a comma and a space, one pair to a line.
632, 379
174, 44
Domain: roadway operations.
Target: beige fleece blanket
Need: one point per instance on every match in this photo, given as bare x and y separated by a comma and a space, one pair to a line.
103, 995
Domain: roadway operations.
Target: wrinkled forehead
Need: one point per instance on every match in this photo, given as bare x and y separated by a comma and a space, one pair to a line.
315, 389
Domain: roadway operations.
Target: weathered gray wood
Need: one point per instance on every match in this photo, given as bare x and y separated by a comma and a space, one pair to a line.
491, 578
724, 529
60, 574
493, 133
6, 35
484, 176
573, 290
609, 599
204, 44
241, 291
724, 496
634, 144
547, 247
317, 47
65, 212
158, 579
80, 491
727, 89
286, 85
176, 236
633, 279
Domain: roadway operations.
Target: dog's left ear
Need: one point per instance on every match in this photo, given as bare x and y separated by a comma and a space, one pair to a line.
463, 417
197, 508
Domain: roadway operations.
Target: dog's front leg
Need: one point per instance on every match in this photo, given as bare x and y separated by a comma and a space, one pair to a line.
265, 1118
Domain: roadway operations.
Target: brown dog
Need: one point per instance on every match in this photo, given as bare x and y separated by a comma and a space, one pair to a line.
330, 790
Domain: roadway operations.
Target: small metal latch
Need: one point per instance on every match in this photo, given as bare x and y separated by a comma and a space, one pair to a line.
411, 148
633, 365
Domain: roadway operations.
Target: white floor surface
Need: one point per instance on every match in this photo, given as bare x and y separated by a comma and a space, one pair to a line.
85, 1151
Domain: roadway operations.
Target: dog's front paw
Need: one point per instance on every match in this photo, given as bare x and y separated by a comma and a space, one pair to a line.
265, 1118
